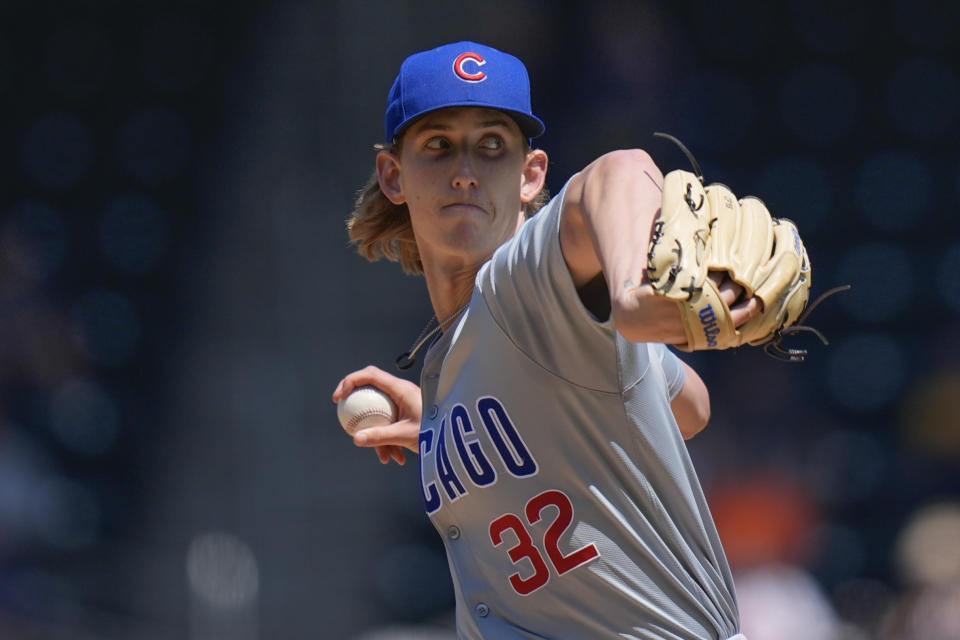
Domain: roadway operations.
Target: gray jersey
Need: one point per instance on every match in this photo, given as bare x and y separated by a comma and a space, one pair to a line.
553, 468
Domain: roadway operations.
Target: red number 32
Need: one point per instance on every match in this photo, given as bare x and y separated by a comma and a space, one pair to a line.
525, 548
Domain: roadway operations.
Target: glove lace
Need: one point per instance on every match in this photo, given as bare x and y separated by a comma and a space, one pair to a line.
778, 352
693, 161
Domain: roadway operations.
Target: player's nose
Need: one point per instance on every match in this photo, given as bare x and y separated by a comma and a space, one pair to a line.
464, 175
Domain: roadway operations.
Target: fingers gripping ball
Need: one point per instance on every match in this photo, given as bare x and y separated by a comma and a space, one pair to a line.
366, 407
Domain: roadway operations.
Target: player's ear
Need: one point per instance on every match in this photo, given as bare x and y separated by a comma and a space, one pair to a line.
388, 174
534, 175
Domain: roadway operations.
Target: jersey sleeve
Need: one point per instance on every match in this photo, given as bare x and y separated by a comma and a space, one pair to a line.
673, 371
528, 290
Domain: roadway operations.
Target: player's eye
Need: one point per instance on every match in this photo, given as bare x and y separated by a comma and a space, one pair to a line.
436, 143
492, 143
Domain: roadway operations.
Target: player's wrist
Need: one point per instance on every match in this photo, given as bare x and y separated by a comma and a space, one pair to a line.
641, 315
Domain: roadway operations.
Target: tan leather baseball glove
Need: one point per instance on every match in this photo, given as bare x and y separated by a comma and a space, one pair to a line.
705, 229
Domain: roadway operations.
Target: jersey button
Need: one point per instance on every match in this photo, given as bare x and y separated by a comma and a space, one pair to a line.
482, 610
453, 532
434, 410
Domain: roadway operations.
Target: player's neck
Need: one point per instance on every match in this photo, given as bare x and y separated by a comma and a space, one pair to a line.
450, 286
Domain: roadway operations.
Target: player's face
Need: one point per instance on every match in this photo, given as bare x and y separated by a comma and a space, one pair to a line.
464, 174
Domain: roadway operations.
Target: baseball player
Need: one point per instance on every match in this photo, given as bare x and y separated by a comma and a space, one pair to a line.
550, 416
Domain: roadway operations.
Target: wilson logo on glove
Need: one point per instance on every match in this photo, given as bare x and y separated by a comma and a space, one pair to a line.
710, 329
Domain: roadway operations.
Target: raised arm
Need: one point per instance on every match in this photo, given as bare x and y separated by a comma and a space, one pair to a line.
607, 219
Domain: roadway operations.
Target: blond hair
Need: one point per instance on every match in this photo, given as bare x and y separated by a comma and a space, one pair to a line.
382, 229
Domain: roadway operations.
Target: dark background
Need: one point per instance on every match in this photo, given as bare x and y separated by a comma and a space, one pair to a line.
178, 301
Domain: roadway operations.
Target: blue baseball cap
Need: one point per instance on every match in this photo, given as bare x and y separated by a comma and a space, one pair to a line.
462, 74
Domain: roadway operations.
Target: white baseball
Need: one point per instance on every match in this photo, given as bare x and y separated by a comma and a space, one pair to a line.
366, 407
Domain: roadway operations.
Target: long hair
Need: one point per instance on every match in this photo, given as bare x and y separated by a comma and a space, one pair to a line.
381, 229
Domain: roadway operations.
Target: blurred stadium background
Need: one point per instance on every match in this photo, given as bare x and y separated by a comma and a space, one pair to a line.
179, 300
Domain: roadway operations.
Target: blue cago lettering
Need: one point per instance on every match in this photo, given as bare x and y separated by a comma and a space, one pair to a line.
442, 479
431, 497
511, 447
471, 453
446, 474
708, 318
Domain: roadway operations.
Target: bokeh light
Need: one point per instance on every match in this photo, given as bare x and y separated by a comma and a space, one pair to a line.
930, 416
865, 371
24, 467
778, 600
222, 570
34, 239
927, 547
223, 582
893, 190
763, 519
873, 299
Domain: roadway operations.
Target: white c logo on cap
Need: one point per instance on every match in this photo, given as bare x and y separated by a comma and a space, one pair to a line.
460, 62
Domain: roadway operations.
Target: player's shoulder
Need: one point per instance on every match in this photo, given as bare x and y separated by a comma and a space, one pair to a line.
634, 160
544, 222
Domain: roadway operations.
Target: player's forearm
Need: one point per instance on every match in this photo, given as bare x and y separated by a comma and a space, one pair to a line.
611, 208
621, 198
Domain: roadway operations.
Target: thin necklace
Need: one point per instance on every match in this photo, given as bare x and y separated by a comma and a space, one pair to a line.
408, 358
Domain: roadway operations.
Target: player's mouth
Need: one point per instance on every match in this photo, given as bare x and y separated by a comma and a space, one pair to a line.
464, 208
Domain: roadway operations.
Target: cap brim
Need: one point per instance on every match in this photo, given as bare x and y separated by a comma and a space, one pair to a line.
530, 125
